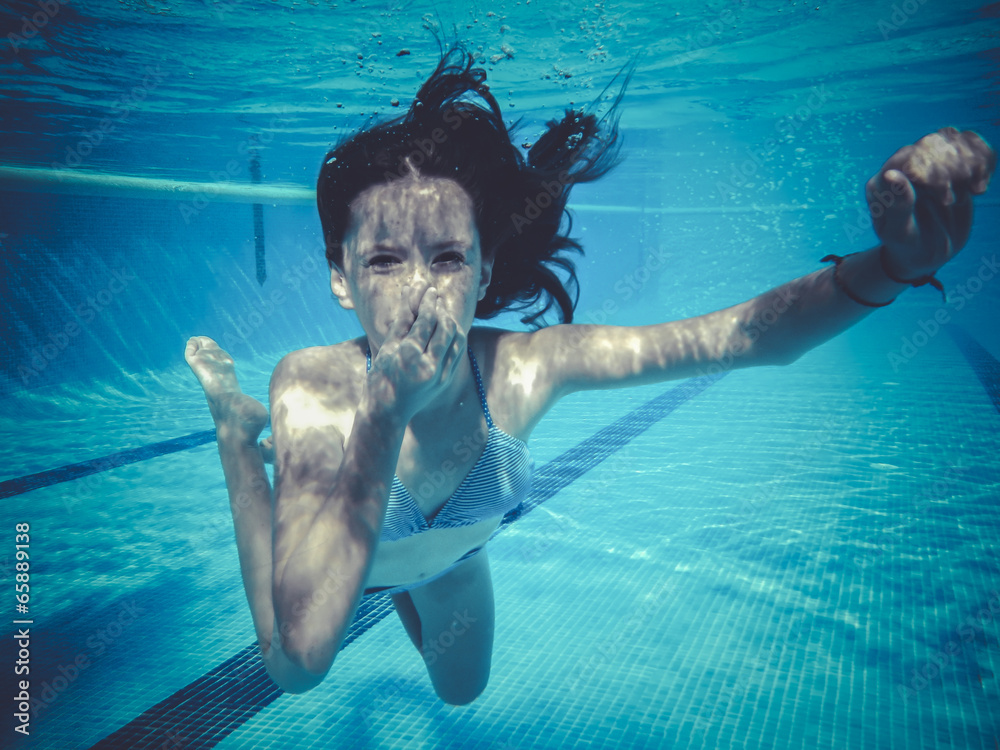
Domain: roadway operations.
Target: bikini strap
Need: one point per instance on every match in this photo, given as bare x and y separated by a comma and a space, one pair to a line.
479, 387
475, 371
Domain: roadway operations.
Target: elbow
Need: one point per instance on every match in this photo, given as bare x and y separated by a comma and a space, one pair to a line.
784, 358
747, 351
774, 353
293, 671
297, 664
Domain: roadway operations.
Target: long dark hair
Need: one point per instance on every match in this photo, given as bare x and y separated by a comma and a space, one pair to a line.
518, 203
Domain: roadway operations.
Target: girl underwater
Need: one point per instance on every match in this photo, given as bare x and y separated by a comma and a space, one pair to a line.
431, 221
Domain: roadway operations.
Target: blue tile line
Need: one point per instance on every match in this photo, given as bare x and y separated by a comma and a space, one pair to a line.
984, 364
204, 712
68, 473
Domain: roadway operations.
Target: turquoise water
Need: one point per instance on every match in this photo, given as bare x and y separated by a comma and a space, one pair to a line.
787, 558
763, 568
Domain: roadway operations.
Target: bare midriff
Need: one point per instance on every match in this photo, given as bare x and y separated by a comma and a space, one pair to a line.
418, 557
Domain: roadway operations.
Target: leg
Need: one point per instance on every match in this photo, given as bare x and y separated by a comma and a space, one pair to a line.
239, 420
455, 626
407, 612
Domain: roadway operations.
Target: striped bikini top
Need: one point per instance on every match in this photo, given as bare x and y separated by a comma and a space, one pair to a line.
496, 484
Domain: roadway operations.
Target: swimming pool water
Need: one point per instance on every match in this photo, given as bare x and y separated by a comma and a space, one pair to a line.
765, 566
793, 557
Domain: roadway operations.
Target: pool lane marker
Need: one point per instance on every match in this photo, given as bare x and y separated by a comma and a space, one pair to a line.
68, 473
984, 364
206, 711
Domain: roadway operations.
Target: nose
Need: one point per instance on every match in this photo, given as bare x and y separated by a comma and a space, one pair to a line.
418, 282
420, 277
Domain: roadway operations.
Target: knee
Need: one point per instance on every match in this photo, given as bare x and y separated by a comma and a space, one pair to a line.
460, 698
461, 693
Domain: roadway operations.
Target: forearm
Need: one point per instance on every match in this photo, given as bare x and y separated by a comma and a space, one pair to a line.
369, 465
786, 322
325, 535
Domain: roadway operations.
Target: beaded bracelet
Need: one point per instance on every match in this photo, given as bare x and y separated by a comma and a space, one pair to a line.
920, 281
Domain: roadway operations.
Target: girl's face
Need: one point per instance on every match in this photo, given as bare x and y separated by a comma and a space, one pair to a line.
416, 233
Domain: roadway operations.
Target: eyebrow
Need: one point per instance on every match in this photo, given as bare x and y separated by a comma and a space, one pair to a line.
443, 245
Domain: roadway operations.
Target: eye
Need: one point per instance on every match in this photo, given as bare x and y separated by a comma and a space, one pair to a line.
381, 262
450, 259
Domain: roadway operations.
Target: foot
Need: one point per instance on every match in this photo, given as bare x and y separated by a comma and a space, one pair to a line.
235, 413
267, 450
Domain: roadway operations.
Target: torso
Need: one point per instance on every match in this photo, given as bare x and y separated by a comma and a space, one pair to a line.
516, 404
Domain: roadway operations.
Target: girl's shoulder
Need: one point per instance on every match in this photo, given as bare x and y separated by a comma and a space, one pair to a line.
497, 345
514, 380
336, 369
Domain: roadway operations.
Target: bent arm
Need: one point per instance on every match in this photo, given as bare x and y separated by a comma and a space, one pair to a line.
330, 500
774, 328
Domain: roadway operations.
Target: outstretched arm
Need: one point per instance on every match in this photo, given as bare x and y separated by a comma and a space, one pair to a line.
921, 207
